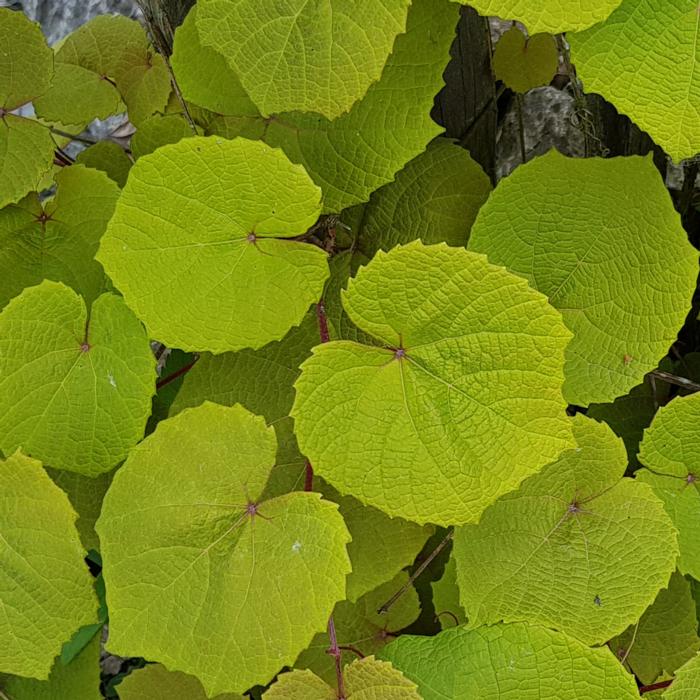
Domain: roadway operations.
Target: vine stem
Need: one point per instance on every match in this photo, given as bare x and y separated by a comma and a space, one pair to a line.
673, 379
654, 686
172, 377
424, 565
521, 126
335, 652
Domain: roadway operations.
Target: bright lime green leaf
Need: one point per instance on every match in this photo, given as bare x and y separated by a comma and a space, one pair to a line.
362, 150
197, 244
551, 16
108, 157
204, 75
306, 55
569, 226
47, 589
469, 407
73, 393
77, 96
644, 60
665, 637
671, 450
155, 682
381, 546
523, 64
509, 662
26, 156
26, 69
360, 626
244, 583
85, 494
157, 131
363, 679
587, 550
686, 686
435, 198
58, 239
116, 47
630, 414
448, 609
26, 61
79, 680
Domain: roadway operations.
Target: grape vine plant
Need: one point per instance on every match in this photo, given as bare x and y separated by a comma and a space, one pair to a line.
301, 398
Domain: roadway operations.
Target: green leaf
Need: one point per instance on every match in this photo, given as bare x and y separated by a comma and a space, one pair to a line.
358, 625
469, 407
27, 150
155, 682
553, 16
630, 414
509, 662
380, 547
74, 394
671, 452
186, 539
116, 47
448, 608
197, 244
78, 680
47, 588
57, 239
85, 494
77, 96
665, 637
587, 551
644, 60
525, 63
204, 75
305, 55
108, 157
364, 679
568, 225
157, 131
435, 198
686, 686
26, 61
362, 150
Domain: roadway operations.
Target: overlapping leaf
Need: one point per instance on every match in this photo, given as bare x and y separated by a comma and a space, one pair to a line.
108, 157
360, 627
671, 451
26, 70
665, 637
74, 393
460, 403
158, 130
362, 150
587, 551
115, 47
686, 685
244, 584
57, 239
155, 682
525, 63
306, 55
448, 607
509, 662
435, 198
552, 16
644, 59
46, 588
204, 75
197, 244
364, 679
78, 680
602, 240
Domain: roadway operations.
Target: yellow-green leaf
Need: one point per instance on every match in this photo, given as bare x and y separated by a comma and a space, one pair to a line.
525, 63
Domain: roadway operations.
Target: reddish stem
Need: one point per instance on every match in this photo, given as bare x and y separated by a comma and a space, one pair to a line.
354, 650
334, 651
654, 686
322, 321
308, 477
172, 377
